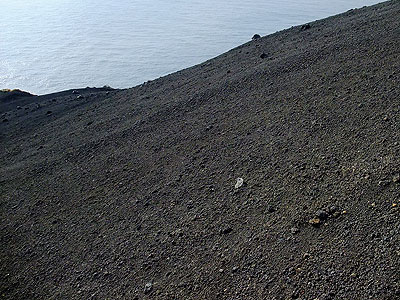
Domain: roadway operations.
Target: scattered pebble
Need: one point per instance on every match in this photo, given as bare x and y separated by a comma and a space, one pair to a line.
148, 287
315, 222
396, 178
256, 37
226, 230
239, 183
263, 55
305, 27
322, 214
332, 209
295, 294
294, 230
383, 183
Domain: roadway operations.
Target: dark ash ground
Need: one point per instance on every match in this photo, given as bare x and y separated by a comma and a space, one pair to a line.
130, 194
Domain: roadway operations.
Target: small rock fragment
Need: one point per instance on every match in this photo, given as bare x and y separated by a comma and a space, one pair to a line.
383, 183
396, 178
295, 294
256, 37
315, 222
294, 230
321, 214
239, 183
263, 55
305, 27
332, 209
271, 209
148, 287
226, 230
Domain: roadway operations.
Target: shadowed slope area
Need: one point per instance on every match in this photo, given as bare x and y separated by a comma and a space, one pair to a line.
130, 194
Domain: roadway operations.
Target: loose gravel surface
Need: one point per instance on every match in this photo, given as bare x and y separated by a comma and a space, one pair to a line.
269, 172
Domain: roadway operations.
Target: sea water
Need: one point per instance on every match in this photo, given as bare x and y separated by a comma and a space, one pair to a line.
53, 45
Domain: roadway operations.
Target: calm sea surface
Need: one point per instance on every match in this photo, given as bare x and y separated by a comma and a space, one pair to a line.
53, 45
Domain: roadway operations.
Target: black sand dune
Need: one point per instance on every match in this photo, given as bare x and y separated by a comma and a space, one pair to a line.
130, 194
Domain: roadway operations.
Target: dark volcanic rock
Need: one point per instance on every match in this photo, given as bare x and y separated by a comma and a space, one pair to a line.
11, 95
322, 214
226, 230
305, 27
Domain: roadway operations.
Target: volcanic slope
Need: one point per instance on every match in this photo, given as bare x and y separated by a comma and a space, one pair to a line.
130, 194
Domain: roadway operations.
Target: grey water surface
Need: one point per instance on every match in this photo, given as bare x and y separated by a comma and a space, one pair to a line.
53, 45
